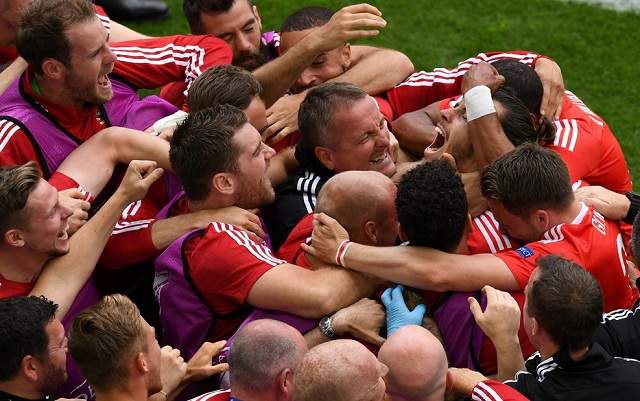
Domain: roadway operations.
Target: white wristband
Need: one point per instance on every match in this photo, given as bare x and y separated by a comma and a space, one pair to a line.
478, 102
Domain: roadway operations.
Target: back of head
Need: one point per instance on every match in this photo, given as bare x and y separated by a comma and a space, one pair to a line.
16, 184
306, 18
193, 8
224, 84
260, 352
202, 146
432, 206
528, 178
417, 365
103, 339
44, 26
369, 192
566, 301
316, 112
339, 370
518, 122
522, 81
23, 322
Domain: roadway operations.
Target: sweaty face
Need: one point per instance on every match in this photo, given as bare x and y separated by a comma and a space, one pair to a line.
514, 225
85, 77
55, 361
240, 28
361, 139
255, 187
325, 66
47, 225
10, 11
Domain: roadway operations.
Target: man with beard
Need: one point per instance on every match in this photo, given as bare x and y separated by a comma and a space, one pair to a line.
342, 129
34, 349
222, 161
238, 23
66, 96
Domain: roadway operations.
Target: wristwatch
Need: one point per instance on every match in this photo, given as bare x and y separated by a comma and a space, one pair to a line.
326, 328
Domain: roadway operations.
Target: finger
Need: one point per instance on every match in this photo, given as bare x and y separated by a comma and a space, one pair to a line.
400, 287
475, 308
420, 309
595, 203
545, 100
373, 338
73, 193
84, 205
255, 229
81, 215
360, 34
364, 21
217, 369
308, 249
254, 211
152, 177
286, 131
322, 218
386, 297
397, 292
361, 8
558, 111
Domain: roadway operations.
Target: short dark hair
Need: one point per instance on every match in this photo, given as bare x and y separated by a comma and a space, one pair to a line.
318, 109
16, 184
43, 30
306, 18
193, 8
432, 206
202, 146
517, 123
103, 336
224, 84
566, 301
522, 81
23, 322
529, 177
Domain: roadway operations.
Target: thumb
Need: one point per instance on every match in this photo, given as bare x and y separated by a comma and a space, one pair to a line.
152, 177
74, 193
595, 203
419, 310
475, 308
386, 297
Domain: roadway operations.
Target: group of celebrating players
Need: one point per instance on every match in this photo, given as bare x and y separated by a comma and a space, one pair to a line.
326, 220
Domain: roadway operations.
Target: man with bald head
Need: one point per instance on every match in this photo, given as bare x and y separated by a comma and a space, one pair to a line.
340, 370
262, 359
417, 365
370, 193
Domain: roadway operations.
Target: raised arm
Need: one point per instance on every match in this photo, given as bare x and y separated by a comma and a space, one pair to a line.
351, 22
64, 276
418, 267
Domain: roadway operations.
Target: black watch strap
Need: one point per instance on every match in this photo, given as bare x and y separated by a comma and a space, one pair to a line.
634, 206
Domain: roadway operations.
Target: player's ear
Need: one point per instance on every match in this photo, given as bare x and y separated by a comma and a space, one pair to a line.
345, 56
224, 183
402, 234
53, 68
257, 15
325, 156
371, 231
542, 220
15, 237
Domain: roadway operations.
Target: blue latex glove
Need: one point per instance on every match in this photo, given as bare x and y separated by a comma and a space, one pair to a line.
398, 314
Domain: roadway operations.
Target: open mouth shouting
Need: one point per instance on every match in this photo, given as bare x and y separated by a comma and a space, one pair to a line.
435, 150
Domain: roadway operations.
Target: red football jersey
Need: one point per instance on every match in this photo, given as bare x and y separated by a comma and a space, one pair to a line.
591, 241
225, 263
217, 395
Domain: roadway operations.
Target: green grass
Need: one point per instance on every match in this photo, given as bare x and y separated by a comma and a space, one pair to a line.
597, 49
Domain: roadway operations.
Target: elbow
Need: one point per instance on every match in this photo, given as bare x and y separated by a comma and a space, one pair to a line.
437, 281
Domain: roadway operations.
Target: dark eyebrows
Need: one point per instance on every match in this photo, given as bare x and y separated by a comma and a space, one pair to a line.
257, 151
251, 21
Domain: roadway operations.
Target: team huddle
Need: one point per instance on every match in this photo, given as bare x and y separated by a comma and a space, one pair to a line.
295, 218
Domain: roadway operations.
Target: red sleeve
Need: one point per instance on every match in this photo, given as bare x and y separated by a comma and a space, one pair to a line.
151, 63
522, 261
225, 264
131, 242
104, 18
15, 146
422, 88
7, 54
491, 390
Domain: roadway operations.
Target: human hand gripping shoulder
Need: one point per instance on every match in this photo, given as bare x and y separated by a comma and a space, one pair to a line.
326, 239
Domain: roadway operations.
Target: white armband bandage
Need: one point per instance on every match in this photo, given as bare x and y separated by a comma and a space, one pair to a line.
170, 121
478, 102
